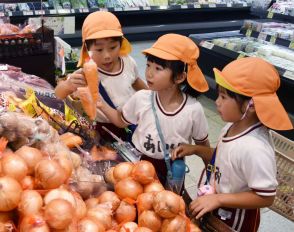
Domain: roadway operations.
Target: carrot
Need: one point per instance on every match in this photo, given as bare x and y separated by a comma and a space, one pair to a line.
87, 102
91, 74
70, 139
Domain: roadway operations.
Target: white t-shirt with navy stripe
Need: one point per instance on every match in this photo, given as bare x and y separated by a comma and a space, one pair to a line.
186, 123
245, 162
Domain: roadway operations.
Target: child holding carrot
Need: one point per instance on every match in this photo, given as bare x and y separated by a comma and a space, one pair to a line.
117, 71
242, 166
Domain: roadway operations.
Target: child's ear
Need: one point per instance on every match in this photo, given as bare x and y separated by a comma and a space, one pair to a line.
181, 78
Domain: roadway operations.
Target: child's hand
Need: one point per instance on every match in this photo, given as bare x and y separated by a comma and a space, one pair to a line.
76, 80
183, 150
204, 204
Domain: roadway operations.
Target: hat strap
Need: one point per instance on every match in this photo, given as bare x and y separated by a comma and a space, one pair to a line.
250, 103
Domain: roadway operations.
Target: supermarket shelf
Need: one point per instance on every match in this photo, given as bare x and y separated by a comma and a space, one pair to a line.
197, 7
269, 38
283, 17
218, 57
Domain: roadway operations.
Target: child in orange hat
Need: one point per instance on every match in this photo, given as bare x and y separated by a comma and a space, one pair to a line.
103, 38
174, 80
242, 168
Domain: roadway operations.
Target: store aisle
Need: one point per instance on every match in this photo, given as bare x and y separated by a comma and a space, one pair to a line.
270, 221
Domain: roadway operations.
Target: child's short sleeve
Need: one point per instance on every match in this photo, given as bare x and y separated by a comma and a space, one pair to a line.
200, 125
131, 110
261, 176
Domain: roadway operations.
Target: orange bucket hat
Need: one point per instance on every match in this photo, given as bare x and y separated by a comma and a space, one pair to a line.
178, 47
99, 25
256, 78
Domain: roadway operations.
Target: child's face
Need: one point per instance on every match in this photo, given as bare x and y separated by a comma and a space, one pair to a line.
158, 78
227, 107
106, 53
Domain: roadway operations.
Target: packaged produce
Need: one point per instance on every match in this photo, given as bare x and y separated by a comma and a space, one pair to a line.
92, 3
78, 4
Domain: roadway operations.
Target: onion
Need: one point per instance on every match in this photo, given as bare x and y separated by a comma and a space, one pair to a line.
92, 202
128, 188
6, 216
31, 202
109, 178
14, 166
89, 225
125, 213
143, 229
60, 193
145, 201
80, 209
49, 174
178, 224
150, 220
101, 213
122, 170
143, 172
33, 223
27, 182
59, 213
167, 204
10, 192
111, 197
67, 166
154, 186
128, 227
31, 156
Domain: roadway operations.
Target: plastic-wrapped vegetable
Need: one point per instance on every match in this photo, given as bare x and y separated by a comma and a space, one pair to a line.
65, 4
92, 3
77, 4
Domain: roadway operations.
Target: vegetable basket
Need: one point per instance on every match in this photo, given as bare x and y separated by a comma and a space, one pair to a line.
284, 151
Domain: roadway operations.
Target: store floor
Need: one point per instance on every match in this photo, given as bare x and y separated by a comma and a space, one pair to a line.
270, 221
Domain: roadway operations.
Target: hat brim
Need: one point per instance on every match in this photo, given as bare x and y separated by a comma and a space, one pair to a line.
160, 54
271, 112
125, 48
220, 79
104, 34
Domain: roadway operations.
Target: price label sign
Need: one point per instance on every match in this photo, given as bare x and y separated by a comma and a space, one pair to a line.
273, 39
212, 5
289, 75
197, 5
146, 8
207, 44
3, 67
184, 6
118, 9
53, 11
248, 32
64, 11
163, 7
245, 4
229, 4
27, 13
270, 15
291, 45
9, 13
86, 10
2, 14
262, 36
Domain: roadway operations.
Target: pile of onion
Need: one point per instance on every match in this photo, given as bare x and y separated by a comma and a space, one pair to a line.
14, 166
167, 204
178, 224
101, 213
90, 225
154, 186
145, 201
122, 170
150, 220
10, 193
143, 172
111, 197
30, 203
128, 188
33, 222
125, 212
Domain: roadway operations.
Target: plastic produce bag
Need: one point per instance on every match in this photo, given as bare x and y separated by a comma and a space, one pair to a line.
77, 4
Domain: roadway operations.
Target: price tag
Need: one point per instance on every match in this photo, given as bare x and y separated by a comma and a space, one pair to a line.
163, 7
53, 11
39, 12
197, 5
104, 9
207, 44
289, 75
248, 32
273, 39
2, 14
3, 67
262, 36
184, 6
291, 45
86, 10
64, 11
131, 8
270, 15
229, 4
28, 13
245, 4
9, 13
118, 9
146, 8
211, 5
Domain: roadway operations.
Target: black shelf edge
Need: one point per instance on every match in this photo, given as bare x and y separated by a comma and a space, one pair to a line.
268, 38
288, 18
